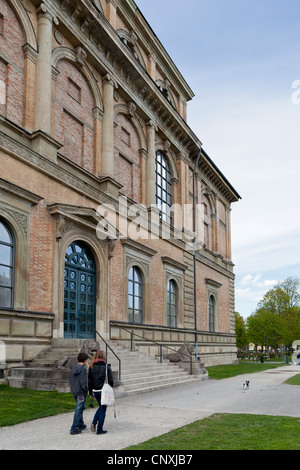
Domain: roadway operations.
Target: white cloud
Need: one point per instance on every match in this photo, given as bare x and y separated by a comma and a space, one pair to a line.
241, 292
256, 281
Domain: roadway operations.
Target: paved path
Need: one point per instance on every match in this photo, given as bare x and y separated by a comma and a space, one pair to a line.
144, 416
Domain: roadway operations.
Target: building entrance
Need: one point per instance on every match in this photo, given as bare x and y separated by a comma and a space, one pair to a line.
79, 292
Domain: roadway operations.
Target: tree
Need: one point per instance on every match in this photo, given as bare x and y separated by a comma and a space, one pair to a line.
277, 318
240, 331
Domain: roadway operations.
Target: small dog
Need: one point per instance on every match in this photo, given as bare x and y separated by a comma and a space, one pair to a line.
246, 385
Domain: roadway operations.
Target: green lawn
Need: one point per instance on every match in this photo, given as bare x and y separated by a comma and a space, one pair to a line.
243, 367
230, 432
293, 380
18, 405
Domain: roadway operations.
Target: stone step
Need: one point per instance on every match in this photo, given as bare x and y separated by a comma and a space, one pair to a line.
36, 384
128, 382
139, 372
158, 386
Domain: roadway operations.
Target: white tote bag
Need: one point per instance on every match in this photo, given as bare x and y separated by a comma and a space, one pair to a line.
107, 393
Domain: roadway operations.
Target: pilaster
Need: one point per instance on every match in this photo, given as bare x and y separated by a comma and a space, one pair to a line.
150, 164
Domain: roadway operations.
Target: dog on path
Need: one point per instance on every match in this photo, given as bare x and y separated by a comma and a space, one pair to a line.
246, 385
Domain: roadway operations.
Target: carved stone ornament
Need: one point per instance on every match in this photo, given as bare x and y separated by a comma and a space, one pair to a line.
44, 10
81, 56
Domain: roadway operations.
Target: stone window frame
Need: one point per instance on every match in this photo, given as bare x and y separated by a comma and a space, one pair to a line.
15, 208
11, 266
140, 283
173, 294
212, 290
211, 313
174, 271
136, 254
166, 196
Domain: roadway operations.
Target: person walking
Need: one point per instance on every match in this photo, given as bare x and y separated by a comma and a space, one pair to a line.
96, 379
79, 389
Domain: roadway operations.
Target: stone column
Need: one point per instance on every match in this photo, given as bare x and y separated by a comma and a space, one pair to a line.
44, 70
42, 141
150, 166
108, 128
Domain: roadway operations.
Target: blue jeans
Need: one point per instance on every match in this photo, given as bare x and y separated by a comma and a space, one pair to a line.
100, 413
78, 415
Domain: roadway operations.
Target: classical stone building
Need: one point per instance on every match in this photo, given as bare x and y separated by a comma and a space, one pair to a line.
102, 186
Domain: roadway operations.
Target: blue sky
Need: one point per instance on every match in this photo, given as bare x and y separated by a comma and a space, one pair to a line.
242, 60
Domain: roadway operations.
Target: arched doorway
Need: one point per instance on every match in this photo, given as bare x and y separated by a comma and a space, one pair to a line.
79, 292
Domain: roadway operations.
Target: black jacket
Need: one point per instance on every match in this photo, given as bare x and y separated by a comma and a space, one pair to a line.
96, 377
78, 380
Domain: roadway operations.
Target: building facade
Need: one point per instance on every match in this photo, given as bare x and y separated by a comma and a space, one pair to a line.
109, 205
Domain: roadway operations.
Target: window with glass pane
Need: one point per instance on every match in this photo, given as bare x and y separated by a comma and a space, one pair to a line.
172, 304
163, 187
7, 246
79, 292
135, 296
211, 308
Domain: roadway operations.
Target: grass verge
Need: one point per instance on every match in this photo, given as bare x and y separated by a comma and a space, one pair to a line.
293, 380
231, 370
230, 432
18, 405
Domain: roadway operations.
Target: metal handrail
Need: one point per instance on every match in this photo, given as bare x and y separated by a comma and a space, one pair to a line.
106, 344
154, 342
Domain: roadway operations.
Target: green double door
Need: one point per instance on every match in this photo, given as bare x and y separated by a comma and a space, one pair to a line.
79, 292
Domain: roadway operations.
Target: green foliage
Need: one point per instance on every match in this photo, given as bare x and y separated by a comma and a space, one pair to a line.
240, 331
276, 320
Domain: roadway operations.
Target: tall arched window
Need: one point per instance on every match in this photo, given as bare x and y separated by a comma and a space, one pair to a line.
172, 304
211, 313
163, 183
135, 296
7, 250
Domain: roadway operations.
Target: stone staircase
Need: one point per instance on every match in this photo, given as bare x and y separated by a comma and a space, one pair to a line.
140, 373
40, 373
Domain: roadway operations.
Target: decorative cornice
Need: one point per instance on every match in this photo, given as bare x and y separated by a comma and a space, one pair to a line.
138, 246
51, 169
213, 283
172, 262
24, 194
